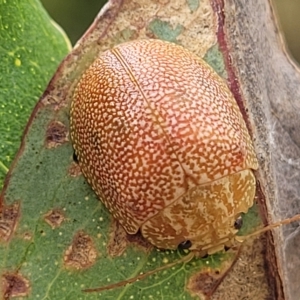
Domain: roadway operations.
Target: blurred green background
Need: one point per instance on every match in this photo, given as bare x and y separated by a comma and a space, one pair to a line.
288, 12
75, 16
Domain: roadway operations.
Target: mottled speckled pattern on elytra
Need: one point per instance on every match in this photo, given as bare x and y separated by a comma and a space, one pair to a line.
150, 123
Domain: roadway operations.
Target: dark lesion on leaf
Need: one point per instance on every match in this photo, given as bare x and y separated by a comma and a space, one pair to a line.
205, 283
14, 285
54, 217
117, 242
56, 134
27, 236
81, 254
119, 239
9, 216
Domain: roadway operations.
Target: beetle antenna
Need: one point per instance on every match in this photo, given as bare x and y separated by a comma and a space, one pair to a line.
268, 227
184, 259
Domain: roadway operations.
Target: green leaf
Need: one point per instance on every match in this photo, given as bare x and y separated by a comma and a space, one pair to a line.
31, 48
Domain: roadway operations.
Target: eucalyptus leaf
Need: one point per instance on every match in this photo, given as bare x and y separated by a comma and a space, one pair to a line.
32, 45
57, 239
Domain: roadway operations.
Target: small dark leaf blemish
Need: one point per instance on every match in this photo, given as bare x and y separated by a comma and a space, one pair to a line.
54, 218
14, 285
56, 134
81, 254
8, 220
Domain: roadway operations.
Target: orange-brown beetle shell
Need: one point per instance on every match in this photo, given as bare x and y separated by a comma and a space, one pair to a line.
161, 140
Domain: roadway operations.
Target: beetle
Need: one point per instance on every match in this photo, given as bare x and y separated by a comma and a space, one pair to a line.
161, 140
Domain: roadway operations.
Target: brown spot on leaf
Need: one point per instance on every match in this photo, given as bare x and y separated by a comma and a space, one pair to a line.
74, 170
56, 134
119, 239
54, 217
206, 282
14, 285
82, 253
117, 242
27, 236
8, 220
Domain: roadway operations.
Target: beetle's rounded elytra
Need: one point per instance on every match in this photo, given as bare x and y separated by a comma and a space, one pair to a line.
161, 140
